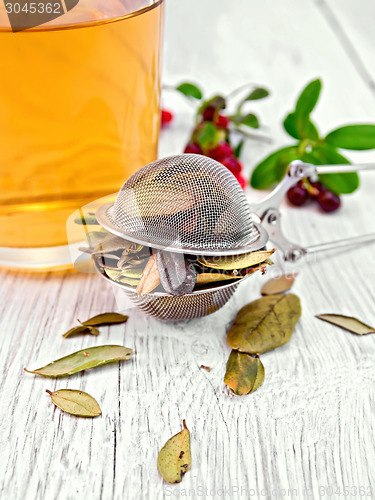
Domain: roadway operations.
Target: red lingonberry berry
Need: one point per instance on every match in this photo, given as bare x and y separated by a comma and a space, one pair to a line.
222, 150
297, 195
208, 113
166, 117
193, 148
222, 121
328, 201
232, 164
242, 181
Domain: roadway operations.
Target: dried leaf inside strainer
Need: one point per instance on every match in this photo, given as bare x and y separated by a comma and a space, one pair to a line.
206, 278
128, 281
232, 262
150, 278
134, 273
113, 243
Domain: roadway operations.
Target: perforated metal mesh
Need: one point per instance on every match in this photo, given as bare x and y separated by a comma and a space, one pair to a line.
184, 201
188, 306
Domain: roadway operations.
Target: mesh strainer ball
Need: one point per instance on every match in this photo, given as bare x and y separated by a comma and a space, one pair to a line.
185, 203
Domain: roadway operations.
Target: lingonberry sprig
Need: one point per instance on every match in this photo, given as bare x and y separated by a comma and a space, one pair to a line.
312, 148
217, 133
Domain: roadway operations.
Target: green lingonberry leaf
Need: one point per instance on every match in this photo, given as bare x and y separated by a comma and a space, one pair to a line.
342, 183
250, 120
300, 130
238, 148
308, 99
190, 90
257, 93
273, 168
357, 137
298, 124
207, 136
218, 102
290, 126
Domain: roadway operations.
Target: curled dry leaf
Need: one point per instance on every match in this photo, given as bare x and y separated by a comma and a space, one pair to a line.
207, 368
278, 285
111, 244
128, 260
150, 278
114, 274
230, 262
110, 318
128, 281
244, 373
349, 323
81, 329
265, 324
174, 459
84, 360
206, 278
132, 273
77, 403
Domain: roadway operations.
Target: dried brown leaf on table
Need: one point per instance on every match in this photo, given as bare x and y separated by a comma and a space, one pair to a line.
150, 278
174, 459
230, 262
77, 403
84, 360
278, 285
349, 323
244, 373
82, 329
265, 324
109, 318
204, 367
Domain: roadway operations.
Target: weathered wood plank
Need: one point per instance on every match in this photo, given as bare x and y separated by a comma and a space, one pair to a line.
310, 425
353, 26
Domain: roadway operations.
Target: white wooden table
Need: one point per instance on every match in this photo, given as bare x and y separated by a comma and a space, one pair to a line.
309, 430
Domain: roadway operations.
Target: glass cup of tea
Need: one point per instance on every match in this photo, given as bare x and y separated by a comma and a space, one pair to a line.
79, 113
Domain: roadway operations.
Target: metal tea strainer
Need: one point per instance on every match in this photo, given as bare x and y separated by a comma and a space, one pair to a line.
187, 204
194, 205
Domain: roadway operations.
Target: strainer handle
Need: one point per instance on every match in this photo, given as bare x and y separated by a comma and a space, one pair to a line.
268, 211
297, 170
293, 252
343, 169
271, 223
345, 243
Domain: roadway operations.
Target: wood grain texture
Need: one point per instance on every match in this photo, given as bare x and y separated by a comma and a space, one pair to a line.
311, 424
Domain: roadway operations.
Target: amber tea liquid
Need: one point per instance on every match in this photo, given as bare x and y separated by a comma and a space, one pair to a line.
79, 113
